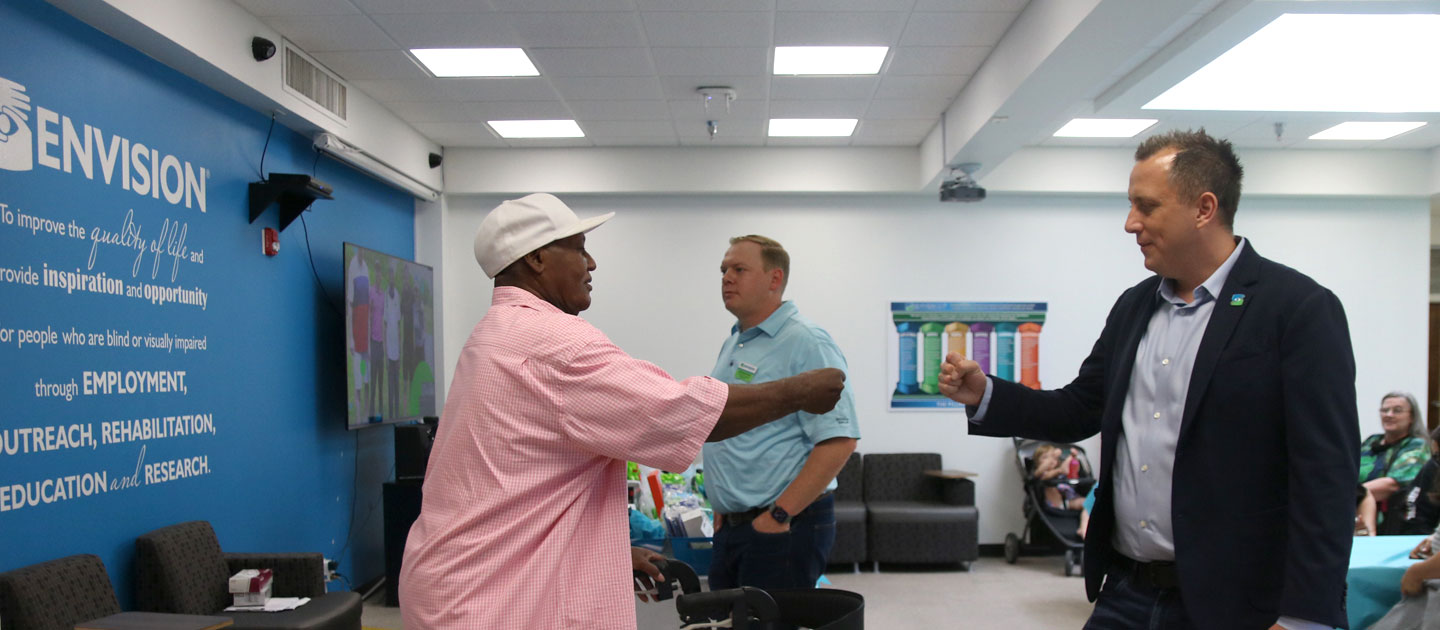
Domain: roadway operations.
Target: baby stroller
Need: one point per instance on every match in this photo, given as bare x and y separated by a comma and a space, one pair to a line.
1048, 528
748, 608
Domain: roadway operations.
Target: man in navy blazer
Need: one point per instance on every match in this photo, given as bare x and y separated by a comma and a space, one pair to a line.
1223, 389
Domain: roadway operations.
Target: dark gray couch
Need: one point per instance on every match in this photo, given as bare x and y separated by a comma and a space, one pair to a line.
916, 518
180, 569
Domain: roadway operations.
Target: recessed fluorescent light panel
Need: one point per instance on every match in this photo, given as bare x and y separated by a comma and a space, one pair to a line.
1321, 63
829, 59
1104, 127
537, 128
811, 127
1366, 130
476, 62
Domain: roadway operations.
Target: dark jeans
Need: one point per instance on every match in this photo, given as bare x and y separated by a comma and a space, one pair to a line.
742, 556
1124, 605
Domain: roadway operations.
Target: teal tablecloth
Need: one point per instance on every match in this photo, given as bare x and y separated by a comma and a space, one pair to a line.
1376, 566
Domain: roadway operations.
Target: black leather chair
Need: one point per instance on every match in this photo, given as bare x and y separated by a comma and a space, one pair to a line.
915, 518
849, 515
56, 595
180, 569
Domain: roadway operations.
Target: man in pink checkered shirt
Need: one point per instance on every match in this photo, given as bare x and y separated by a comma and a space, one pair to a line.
524, 523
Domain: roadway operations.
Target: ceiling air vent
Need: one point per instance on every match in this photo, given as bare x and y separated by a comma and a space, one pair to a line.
310, 81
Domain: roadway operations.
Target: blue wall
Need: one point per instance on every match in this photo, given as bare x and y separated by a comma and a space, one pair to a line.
269, 463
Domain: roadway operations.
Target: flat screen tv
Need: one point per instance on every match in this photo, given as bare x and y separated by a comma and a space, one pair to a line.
389, 338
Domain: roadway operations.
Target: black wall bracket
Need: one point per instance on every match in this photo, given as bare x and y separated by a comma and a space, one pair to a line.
294, 192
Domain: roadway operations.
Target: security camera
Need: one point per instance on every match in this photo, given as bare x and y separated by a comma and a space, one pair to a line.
436, 159
961, 190
961, 186
262, 48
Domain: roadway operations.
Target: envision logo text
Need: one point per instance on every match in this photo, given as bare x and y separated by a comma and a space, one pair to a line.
131, 165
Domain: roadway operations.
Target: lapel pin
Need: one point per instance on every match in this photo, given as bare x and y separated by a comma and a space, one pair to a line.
1237, 299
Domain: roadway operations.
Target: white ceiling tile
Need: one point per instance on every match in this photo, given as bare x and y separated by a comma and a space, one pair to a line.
371, 64
592, 62
381, 7
434, 111
460, 134
841, 28
816, 109
910, 129
607, 88
449, 30
714, 29
636, 141
929, 87
620, 110
922, 60
562, 5
711, 61
722, 141
693, 109
520, 110
885, 141
906, 108
576, 29
274, 8
848, 88
629, 128
506, 89
739, 128
332, 32
971, 5
750, 88
705, 5
956, 29
845, 5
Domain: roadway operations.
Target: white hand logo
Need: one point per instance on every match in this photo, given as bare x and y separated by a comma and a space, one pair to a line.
15, 139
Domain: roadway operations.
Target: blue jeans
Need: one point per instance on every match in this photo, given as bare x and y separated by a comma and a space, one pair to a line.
1124, 605
742, 556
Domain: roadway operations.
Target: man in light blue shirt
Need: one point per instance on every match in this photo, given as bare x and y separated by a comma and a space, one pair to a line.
770, 487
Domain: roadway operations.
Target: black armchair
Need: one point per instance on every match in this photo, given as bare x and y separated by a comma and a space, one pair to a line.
180, 569
919, 518
56, 595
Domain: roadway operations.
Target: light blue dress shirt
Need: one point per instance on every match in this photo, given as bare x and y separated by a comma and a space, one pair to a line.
750, 470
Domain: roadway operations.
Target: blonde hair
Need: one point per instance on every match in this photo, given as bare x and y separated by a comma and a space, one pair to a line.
1040, 451
772, 253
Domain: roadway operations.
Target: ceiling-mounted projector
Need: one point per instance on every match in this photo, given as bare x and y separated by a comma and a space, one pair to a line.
961, 186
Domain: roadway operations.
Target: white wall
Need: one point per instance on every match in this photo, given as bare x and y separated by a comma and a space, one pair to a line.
656, 286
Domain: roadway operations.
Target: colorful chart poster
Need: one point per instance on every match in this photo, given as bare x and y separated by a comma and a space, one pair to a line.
1003, 337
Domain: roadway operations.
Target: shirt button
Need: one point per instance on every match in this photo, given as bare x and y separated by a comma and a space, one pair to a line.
1157, 415
1165, 362
742, 345
1142, 524
1145, 468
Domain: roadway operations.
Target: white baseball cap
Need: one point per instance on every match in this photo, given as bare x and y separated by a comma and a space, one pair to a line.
520, 226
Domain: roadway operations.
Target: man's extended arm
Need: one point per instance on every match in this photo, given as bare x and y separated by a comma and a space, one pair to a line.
749, 406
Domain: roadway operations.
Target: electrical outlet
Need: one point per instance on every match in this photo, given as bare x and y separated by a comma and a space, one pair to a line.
331, 567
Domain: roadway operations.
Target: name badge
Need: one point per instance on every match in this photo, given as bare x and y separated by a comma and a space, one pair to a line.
746, 372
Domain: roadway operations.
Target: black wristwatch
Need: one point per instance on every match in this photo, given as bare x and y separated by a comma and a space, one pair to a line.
779, 514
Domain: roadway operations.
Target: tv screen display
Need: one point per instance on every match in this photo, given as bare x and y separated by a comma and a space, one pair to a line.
389, 338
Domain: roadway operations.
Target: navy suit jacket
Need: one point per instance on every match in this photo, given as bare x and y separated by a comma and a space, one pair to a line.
1263, 500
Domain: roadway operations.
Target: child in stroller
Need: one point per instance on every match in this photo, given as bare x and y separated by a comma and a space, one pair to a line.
1051, 467
1053, 500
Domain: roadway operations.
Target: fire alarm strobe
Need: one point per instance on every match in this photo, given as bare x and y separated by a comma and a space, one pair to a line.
270, 241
